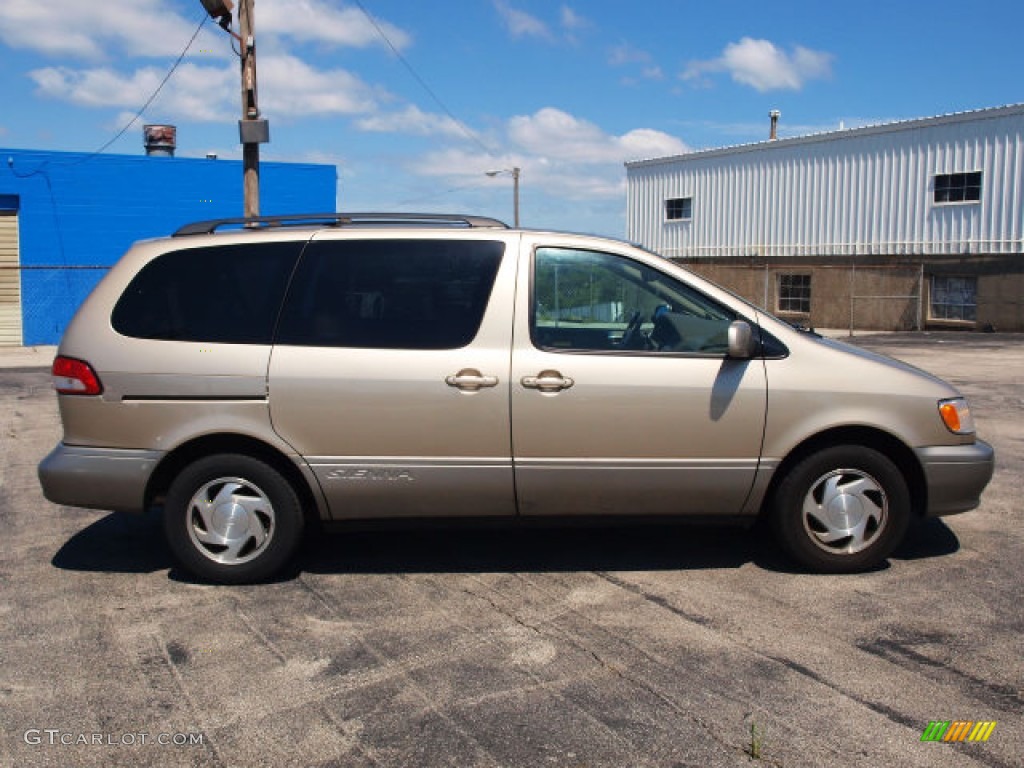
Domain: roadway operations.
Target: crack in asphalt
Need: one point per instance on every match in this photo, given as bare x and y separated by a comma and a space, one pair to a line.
303, 582
696, 618
896, 652
618, 671
888, 650
537, 631
166, 655
882, 709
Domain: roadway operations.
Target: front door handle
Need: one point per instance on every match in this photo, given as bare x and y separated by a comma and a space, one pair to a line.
547, 381
470, 380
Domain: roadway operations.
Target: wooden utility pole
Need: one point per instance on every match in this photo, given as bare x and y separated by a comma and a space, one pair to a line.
252, 130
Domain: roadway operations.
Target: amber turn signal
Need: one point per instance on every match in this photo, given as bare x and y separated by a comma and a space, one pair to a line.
956, 415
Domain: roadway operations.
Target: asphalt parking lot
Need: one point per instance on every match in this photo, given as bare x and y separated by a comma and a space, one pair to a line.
662, 647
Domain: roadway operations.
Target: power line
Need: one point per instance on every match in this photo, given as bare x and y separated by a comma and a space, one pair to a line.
130, 123
41, 170
436, 195
156, 93
423, 83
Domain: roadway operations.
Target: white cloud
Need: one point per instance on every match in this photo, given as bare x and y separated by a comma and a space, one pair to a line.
288, 87
97, 30
572, 21
205, 86
552, 131
520, 23
567, 157
457, 163
91, 29
411, 120
573, 24
626, 53
318, 21
554, 180
763, 66
195, 92
558, 135
645, 143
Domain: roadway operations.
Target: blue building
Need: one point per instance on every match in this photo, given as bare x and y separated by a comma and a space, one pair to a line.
66, 217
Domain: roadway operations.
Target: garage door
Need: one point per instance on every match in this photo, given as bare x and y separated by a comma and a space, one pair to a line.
10, 281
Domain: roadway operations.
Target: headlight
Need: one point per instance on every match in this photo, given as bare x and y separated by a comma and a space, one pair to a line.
956, 415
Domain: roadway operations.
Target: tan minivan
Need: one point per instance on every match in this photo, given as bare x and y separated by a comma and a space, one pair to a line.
252, 376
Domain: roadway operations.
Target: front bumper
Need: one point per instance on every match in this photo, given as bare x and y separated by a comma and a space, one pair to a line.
97, 478
956, 475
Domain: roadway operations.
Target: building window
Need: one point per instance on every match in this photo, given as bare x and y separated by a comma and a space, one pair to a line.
795, 293
679, 209
958, 187
953, 298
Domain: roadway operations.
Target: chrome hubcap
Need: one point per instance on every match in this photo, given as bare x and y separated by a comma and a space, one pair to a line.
845, 511
230, 520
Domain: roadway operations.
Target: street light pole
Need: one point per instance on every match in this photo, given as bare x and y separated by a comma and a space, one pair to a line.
515, 196
514, 172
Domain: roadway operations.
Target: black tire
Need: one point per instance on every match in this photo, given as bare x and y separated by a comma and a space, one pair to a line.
232, 519
842, 488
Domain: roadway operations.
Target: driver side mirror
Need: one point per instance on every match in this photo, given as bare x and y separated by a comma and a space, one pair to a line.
742, 342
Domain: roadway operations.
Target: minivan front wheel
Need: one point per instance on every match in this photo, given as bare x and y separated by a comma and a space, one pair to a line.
232, 519
841, 510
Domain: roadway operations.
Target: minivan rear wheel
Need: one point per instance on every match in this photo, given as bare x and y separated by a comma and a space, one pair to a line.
232, 519
841, 510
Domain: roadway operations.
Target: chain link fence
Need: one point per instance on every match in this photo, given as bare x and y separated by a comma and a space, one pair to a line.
46, 299
878, 294
839, 296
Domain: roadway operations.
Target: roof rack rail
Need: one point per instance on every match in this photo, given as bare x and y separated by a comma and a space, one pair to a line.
339, 220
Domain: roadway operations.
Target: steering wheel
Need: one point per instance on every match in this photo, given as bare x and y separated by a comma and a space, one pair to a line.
632, 329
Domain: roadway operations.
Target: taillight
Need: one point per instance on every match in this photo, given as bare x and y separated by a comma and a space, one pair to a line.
75, 377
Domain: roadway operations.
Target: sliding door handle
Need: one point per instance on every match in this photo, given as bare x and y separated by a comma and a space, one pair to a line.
547, 381
470, 380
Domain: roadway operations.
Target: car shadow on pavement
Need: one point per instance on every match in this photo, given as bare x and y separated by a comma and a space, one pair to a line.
926, 538
529, 549
652, 547
121, 542
131, 543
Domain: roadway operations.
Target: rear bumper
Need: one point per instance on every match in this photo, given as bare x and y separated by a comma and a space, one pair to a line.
956, 475
97, 478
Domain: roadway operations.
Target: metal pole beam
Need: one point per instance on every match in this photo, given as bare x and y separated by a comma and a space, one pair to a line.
853, 292
515, 196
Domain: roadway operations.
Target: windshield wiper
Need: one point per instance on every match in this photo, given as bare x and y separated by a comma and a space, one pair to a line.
804, 328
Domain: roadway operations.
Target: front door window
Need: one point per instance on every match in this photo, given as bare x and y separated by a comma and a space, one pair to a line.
599, 302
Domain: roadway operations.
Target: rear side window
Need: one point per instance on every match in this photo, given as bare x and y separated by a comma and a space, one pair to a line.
227, 294
390, 294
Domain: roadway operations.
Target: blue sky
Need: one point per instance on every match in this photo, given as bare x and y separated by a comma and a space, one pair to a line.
565, 91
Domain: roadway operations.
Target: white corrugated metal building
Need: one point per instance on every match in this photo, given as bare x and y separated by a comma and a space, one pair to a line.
929, 211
